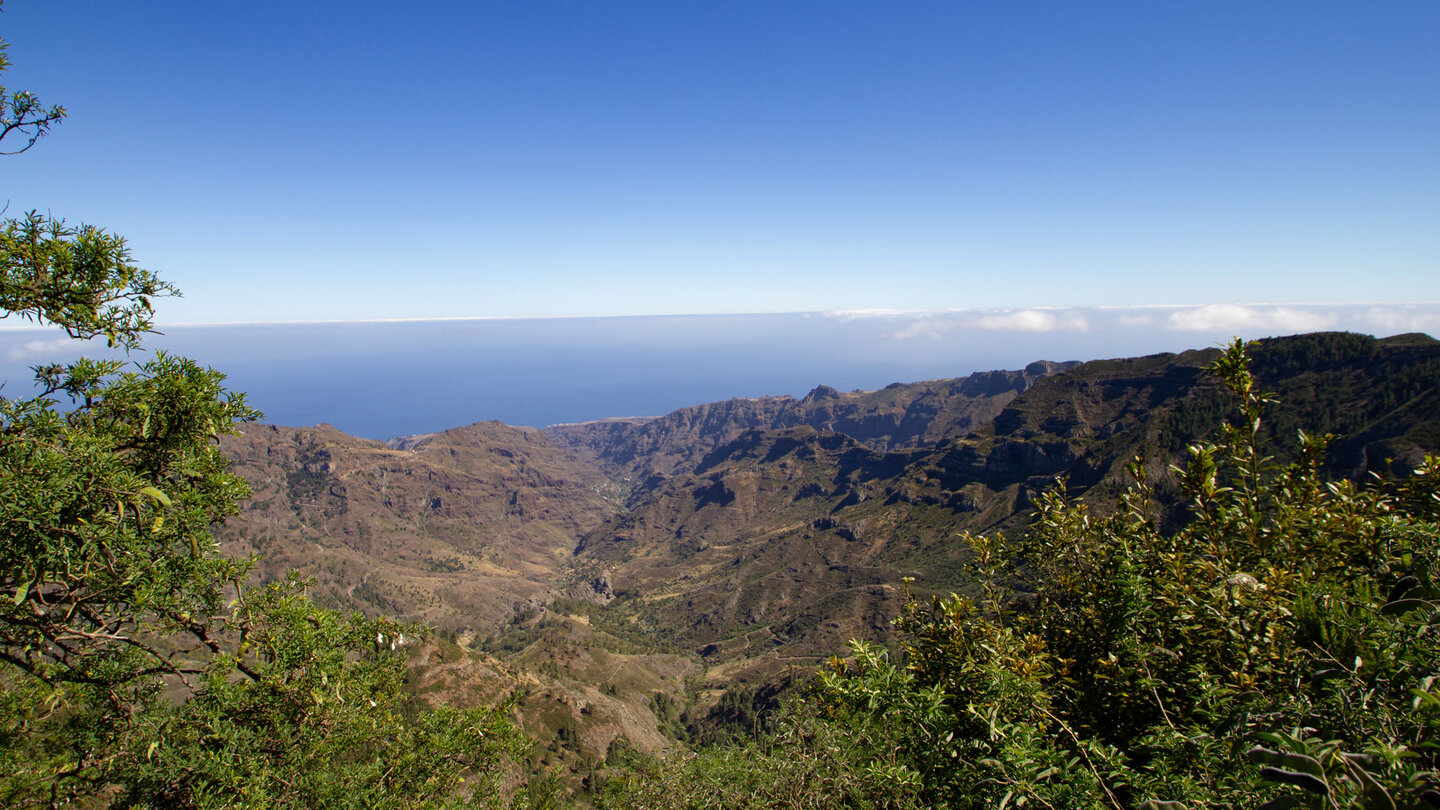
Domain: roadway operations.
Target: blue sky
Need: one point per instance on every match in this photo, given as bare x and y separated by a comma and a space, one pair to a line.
363, 160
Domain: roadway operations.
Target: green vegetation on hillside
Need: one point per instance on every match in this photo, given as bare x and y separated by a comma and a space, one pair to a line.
137, 668
1282, 647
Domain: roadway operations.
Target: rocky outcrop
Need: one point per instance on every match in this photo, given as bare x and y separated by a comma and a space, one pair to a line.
900, 416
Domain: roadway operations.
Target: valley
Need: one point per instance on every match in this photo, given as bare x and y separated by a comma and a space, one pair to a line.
648, 583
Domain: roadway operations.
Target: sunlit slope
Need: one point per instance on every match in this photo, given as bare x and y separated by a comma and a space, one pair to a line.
457, 529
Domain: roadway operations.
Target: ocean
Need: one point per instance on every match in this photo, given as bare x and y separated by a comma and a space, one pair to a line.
384, 379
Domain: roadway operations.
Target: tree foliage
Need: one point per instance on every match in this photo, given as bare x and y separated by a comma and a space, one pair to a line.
81, 279
1281, 649
310, 711
137, 668
22, 116
1284, 644
806, 760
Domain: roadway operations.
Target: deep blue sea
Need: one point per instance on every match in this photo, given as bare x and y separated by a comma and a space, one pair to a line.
384, 379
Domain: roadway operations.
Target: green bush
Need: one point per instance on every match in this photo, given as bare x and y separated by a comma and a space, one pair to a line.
1280, 648
806, 760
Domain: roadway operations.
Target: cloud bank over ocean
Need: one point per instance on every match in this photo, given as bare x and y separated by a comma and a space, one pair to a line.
43, 349
1244, 320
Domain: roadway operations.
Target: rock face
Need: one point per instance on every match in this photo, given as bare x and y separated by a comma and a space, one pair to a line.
902, 415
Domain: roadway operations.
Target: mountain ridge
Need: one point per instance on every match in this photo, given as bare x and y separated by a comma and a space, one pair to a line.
898, 415
734, 545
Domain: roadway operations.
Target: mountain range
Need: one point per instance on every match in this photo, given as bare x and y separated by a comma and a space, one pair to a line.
639, 581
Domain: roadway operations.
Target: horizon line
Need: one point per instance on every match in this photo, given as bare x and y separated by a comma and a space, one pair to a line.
857, 312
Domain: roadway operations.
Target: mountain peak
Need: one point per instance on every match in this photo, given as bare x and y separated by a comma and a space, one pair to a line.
821, 392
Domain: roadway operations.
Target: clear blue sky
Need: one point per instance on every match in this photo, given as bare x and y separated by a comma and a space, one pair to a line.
337, 160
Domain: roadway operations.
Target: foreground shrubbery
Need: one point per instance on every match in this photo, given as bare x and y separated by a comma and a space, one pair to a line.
1281, 648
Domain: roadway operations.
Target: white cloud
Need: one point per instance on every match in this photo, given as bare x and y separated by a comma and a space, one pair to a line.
928, 328
1384, 320
875, 312
1242, 318
1137, 321
934, 325
1026, 320
40, 349
1253, 320
1035, 320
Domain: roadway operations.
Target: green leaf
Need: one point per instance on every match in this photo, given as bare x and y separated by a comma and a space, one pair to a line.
1402, 587
1291, 762
1301, 780
1402, 606
157, 495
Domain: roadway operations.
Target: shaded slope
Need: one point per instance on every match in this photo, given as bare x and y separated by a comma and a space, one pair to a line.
786, 543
